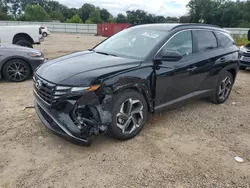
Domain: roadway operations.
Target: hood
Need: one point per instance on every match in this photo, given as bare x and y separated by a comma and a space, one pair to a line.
12, 47
82, 68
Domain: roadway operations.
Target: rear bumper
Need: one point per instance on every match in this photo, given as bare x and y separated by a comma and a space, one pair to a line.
53, 122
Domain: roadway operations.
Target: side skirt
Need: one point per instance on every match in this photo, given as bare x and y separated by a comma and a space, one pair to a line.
186, 97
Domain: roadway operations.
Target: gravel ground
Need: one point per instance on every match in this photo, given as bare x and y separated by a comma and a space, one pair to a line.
190, 146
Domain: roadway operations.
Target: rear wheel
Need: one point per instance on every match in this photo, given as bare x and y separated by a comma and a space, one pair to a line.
24, 43
128, 116
45, 34
223, 88
16, 70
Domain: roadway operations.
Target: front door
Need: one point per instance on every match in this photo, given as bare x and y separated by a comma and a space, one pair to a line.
174, 80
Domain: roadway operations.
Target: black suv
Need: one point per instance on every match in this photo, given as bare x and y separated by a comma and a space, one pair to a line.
112, 87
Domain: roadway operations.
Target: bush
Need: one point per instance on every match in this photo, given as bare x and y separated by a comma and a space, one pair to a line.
241, 40
74, 19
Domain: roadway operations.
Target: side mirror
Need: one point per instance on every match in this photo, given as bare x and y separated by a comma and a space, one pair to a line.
248, 35
167, 55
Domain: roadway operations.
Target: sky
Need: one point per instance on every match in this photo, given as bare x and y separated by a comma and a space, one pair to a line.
157, 7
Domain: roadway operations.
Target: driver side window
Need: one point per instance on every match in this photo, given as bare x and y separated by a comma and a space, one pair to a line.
181, 42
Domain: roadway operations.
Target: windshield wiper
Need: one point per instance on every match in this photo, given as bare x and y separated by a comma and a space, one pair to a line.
104, 53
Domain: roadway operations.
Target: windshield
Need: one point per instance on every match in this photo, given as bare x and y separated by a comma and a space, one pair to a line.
132, 42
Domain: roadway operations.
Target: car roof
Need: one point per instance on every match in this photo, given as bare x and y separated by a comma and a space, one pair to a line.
180, 26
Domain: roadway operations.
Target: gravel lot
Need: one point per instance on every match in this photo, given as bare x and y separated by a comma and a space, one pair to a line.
190, 146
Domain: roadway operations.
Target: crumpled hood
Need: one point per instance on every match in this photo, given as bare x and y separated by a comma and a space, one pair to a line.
81, 68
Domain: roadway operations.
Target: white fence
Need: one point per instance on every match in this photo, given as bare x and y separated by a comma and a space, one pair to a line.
238, 31
59, 27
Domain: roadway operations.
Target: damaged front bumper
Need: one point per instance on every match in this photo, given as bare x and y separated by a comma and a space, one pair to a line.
76, 120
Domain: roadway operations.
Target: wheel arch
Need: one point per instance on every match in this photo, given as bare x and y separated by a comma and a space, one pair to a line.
233, 71
19, 36
142, 88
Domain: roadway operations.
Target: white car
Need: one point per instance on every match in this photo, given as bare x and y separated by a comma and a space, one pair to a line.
23, 35
45, 31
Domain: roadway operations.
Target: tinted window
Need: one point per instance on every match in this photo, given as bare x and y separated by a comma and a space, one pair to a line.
206, 40
225, 39
181, 42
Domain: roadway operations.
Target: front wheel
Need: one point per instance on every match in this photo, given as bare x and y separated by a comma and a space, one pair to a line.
16, 70
128, 116
223, 88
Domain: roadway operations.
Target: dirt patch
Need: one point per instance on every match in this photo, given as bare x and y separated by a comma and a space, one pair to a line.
191, 146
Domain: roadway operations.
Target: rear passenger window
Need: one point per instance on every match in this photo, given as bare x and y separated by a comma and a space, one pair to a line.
206, 40
225, 39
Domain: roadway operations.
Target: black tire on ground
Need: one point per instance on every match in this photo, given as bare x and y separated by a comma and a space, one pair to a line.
242, 68
139, 107
16, 70
24, 43
225, 77
45, 34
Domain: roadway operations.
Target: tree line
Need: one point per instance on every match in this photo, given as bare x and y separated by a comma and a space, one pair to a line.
225, 13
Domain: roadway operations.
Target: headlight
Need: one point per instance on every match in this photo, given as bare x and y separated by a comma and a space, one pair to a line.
243, 49
35, 54
84, 89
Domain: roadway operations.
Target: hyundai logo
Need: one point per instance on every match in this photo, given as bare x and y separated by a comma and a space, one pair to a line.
38, 84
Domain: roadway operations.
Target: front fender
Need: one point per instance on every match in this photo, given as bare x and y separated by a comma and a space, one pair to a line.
140, 79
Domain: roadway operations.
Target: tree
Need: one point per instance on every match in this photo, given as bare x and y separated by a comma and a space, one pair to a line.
74, 19
184, 19
104, 14
14, 7
88, 22
121, 18
111, 19
57, 15
4, 11
35, 13
160, 19
95, 16
137, 17
85, 11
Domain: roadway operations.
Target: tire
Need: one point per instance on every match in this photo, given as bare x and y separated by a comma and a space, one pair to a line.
243, 68
16, 70
135, 119
24, 43
221, 95
45, 34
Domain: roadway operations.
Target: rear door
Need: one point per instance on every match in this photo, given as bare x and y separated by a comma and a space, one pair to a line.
208, 53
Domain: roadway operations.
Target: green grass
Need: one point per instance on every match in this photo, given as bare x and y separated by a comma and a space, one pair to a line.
241, 40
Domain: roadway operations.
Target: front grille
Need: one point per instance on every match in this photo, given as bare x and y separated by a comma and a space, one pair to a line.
246, 54
49, 92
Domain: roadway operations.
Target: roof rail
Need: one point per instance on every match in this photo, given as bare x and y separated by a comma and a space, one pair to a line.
196, 24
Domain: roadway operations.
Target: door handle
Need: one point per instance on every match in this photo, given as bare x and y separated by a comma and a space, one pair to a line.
192, 69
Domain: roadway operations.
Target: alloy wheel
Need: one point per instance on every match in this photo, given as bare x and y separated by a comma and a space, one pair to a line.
225, 88
130, 116
17, 71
